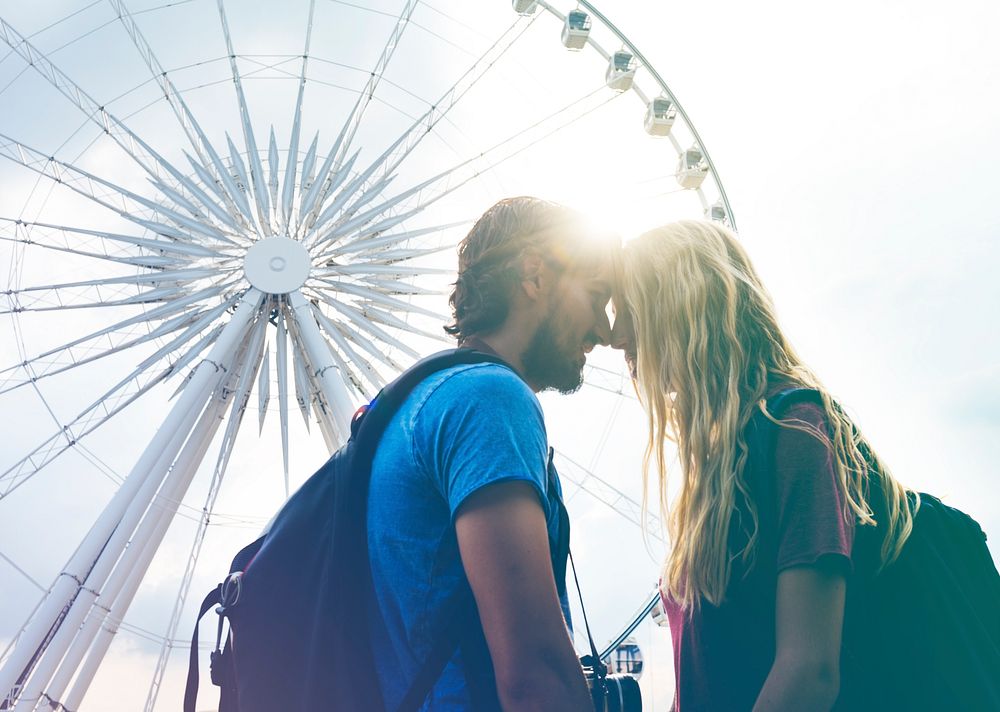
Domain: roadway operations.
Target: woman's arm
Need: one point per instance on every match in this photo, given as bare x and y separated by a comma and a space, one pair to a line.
809, 620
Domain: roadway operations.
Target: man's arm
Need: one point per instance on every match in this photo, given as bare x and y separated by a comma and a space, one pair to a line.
808, 626
505, 551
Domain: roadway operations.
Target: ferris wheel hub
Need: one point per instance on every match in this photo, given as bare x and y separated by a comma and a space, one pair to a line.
277, 265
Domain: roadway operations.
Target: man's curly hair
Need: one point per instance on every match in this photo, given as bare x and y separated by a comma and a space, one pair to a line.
488, 268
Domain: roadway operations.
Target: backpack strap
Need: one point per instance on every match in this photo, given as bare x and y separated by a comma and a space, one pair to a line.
444, 647
213, 598
367, 430
762, 439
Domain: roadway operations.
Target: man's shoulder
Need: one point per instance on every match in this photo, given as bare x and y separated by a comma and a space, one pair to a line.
476, 396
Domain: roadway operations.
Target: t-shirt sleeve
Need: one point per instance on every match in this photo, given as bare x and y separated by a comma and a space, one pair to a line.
811, 508
480, 426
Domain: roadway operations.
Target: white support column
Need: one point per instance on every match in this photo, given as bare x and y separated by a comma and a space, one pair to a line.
327, 375
122, 585
129, 536
98, 540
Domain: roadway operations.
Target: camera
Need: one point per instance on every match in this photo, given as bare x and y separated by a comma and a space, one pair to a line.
617, 692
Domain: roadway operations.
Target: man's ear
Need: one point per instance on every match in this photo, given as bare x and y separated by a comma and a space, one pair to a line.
533, 275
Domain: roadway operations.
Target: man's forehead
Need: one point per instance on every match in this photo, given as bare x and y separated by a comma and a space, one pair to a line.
598, 279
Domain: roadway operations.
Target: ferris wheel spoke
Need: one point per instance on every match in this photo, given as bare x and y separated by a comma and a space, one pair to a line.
66, 239
332, 210
102, 191
309, 179
66, 358
169, 296
242, 181
292, 162
112, 402
135, 147
397, 287
263, 389
606, 379
464, 172
359, 268
196, 136
439, 110
350, 128
361, 322
461, 174
169, 325
274, 179
144, 155
402, 255
327, 182
225, 216
373, 238
376, 295
394, 156
256, 169
609, 495
281, 367
340, 337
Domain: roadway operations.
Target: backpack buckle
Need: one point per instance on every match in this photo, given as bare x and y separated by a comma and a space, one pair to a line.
232, 587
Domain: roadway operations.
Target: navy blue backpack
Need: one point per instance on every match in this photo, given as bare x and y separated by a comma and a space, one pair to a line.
298, 598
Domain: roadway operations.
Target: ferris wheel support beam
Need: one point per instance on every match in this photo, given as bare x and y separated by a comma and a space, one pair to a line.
128, 539
237, 390
116, 596
93, 575
74, 576
322, 366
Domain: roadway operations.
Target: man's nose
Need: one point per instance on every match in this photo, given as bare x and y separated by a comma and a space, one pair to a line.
619, 337
602, 329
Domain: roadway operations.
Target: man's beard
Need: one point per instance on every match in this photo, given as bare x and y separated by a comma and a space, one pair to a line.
546, 363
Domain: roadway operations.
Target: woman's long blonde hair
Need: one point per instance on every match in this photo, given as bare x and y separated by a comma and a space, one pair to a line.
708, 346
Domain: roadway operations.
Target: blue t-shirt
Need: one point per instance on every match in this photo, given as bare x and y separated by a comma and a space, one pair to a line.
460, 430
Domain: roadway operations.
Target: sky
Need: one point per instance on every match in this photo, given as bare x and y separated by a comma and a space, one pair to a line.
856, 144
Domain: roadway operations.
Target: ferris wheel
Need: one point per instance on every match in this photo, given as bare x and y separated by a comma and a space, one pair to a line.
215, 210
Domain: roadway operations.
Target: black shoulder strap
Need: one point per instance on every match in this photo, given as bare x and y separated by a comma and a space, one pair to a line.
762, 440
213, 598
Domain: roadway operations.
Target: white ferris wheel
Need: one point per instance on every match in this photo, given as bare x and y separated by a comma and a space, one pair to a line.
215, 209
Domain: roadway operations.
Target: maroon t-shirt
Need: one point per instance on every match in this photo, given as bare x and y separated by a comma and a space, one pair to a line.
722, 654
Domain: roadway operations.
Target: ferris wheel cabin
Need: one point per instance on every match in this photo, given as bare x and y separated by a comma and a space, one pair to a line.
660, 116
621, 71
576, 29
525, 7
692, 168
717, 212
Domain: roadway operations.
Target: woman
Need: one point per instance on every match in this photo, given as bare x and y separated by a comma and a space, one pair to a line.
762, 517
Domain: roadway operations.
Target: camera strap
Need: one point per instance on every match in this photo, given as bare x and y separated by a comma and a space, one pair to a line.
596, 663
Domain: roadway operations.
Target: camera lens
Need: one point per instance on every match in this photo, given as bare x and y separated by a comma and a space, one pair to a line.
623, 694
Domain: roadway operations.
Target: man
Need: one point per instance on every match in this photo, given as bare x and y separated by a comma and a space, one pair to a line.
462, 493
